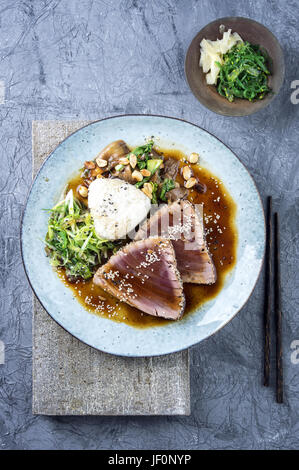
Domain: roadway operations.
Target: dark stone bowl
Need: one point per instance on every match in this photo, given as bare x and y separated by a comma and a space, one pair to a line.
250, 31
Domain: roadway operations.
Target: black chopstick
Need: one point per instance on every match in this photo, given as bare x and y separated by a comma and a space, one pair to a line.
268, 288
277, 309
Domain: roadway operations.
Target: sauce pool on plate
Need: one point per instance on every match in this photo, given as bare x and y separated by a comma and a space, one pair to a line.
221, 236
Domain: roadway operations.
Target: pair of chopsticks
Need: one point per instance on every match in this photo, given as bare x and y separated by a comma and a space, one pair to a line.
277, 302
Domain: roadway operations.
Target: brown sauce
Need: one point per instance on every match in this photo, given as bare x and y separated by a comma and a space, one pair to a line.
219, 215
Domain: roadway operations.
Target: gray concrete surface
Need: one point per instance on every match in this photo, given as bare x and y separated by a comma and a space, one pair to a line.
90, 59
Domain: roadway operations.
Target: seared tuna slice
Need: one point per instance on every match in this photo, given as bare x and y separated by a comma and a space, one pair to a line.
144, 275
182, 224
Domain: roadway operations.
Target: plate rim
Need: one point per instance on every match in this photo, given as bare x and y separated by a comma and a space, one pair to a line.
141, 115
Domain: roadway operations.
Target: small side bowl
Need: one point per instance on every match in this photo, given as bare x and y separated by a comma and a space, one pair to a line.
250, 31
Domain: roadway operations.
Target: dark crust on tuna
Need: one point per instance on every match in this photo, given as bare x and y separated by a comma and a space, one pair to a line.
187, 273
155, 289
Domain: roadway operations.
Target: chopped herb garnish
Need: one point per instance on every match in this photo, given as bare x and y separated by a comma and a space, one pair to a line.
142, 164
141, 183
168, 184
143, 154
154, 193
151, 164
244, 73
143, 149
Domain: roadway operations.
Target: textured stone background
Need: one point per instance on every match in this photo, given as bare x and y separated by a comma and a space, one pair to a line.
90, 59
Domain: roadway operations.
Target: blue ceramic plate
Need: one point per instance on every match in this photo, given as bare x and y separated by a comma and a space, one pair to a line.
118, 338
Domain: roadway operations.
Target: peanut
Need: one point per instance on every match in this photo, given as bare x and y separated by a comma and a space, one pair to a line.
187, 173
137, 175
193, 157
83, 191
147, 192
101, 162
124, 161
148, 187
190, 183
133, 160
